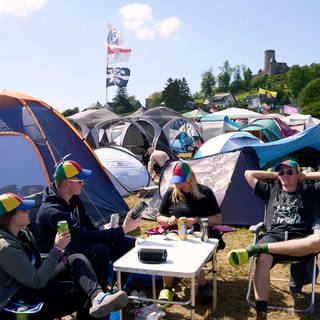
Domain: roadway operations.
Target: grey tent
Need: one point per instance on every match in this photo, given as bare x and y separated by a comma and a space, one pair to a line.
224, 174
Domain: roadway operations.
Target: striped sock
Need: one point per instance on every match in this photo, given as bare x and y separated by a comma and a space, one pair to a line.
257, 248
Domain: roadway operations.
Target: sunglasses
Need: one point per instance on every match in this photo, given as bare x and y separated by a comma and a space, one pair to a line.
82, 182
289, 172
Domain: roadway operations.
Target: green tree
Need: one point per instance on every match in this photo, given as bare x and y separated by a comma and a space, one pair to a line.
224, 76
155, 99
237, 84
247, 76
309, 96
120, 102
208, 83
69, 112
176, 94
259, 81
297, 78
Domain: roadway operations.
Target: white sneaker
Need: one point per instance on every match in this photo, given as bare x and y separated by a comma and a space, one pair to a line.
108, 303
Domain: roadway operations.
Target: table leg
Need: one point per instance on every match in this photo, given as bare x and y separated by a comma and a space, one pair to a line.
154, 294
119, 289
193, 297
214, 280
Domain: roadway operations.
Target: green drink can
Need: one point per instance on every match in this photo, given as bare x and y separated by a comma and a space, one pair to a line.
22, 316
62, 226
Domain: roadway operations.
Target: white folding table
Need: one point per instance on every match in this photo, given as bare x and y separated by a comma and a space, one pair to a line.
185, 259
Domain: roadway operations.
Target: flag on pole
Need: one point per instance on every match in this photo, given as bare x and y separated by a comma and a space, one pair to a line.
269, 94
118, 54
118, 77
288, 109
114, 37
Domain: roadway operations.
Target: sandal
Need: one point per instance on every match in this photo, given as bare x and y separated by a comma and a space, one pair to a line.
166, 295
238, 257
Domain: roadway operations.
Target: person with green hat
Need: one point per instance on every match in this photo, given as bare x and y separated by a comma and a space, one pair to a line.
290, 209
64, 285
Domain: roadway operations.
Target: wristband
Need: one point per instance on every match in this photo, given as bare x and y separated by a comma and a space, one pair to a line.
270, 175
57, 247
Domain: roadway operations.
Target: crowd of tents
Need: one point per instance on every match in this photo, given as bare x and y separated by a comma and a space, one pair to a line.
35, 137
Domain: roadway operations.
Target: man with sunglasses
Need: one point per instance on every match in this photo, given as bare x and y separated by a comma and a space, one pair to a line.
60, 202
290, 203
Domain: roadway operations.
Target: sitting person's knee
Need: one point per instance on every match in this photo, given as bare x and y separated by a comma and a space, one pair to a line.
265, 260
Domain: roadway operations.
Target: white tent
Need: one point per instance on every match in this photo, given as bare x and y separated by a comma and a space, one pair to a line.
214, 125
125, 171
301, 121
227, 142
243, 116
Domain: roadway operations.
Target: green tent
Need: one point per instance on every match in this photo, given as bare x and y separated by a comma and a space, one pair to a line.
195, 114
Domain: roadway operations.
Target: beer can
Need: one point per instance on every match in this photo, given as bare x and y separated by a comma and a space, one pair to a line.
114, 220
204, 223
62, 226
182, 228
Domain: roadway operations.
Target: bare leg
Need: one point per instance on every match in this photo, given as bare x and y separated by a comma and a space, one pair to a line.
296, 247
201, 279
168, 282
262, 277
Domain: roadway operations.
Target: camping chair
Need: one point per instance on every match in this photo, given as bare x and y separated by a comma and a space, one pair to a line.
258, 230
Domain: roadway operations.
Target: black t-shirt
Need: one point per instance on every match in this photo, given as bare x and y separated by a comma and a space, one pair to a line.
190, 207
288, 211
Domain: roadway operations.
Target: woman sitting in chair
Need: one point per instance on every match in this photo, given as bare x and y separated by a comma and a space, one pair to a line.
192, 200
63, 286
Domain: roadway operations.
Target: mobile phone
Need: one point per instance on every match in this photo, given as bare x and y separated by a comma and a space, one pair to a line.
137, 211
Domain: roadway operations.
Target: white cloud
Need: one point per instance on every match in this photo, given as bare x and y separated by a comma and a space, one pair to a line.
169, 26
20, 8
139, 18
135, 15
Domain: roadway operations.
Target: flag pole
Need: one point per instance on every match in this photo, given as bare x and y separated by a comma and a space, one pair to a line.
105, 83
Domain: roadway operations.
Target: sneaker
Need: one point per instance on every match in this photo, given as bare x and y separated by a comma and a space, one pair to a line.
204, 294
103, 305
238, 257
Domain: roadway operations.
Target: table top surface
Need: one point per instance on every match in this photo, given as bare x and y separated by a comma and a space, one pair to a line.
185, 257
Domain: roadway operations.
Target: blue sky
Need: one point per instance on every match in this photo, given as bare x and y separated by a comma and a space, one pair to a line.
55, 50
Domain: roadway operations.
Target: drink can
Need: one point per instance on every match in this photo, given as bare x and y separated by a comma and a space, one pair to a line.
62, 226
204, 222
182, 228
114, 220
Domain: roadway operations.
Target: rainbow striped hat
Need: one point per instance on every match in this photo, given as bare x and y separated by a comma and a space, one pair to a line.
180, 172
10, 201
288, 163
71, 170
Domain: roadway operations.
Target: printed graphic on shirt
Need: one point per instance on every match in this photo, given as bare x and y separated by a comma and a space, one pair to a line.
287, 209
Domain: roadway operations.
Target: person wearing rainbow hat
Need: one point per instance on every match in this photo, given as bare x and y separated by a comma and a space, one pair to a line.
192, 200
290, 203
64, 286
61, 201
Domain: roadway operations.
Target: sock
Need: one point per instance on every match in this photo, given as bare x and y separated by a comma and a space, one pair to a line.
261, 306
257, 248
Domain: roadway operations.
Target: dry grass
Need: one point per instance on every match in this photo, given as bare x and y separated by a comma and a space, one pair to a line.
232, 286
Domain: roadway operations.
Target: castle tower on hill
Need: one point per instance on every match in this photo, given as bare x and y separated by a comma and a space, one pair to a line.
271, 66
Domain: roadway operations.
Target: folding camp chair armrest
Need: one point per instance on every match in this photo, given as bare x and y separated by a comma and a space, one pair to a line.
260, 227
